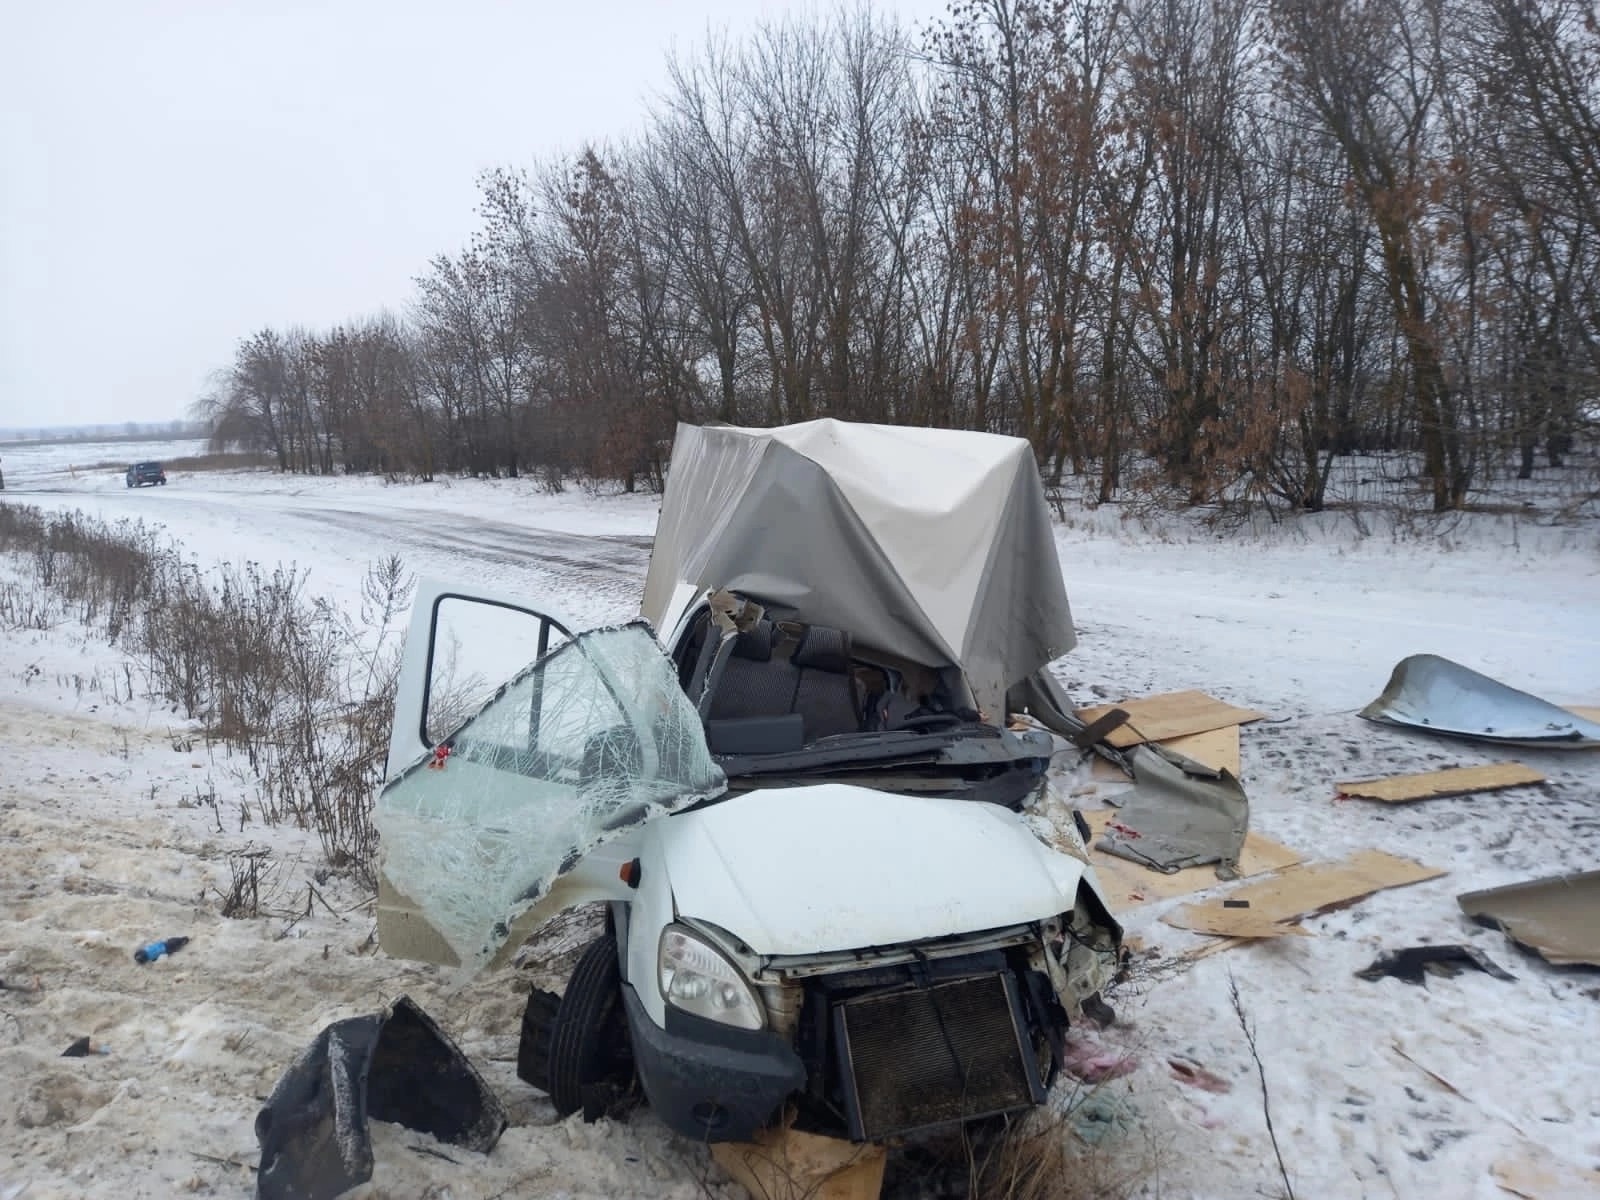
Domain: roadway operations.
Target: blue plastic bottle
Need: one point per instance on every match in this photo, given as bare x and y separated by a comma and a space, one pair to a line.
154, 950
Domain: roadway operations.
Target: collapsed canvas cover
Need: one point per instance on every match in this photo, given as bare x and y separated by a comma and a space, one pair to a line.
931, 544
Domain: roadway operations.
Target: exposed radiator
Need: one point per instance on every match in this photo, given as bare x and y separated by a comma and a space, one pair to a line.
924, 1056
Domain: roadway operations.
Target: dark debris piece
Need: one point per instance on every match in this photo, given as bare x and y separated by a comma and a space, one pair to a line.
396, 1066
1415, 963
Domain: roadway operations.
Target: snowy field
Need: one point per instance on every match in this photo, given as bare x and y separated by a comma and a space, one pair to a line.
116, 826
43, 464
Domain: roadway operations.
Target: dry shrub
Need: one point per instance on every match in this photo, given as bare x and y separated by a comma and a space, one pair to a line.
24, 607
222, 462
1041, 1157
251, 872
303, 691
1037, 1156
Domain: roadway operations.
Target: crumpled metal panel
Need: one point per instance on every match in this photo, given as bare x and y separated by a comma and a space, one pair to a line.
1433, 693
1558, 917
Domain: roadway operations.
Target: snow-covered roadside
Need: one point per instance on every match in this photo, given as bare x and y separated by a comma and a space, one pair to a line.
1303, 624
109, 839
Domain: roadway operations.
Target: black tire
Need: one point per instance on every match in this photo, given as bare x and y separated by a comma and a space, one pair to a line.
590, 1063
533, 1046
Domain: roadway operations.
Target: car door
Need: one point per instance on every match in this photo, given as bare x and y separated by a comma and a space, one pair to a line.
519, 747
461, 646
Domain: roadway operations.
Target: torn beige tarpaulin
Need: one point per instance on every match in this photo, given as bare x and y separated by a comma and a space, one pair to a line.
1172, 715
1453, 781
1127, 884
1297, 892
1559, 917
1178, 814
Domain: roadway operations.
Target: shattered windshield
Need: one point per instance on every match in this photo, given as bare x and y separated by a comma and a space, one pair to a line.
592, 739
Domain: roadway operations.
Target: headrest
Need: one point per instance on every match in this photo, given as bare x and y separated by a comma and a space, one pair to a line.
754, 643
823, 648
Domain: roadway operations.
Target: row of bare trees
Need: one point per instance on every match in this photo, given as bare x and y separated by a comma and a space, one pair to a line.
1207, 246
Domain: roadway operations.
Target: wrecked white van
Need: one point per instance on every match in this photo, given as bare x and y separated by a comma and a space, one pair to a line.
836, 876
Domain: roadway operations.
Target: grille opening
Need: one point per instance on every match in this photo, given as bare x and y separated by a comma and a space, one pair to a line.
917, 1057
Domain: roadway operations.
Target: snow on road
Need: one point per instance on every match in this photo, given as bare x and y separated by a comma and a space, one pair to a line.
1376, 1088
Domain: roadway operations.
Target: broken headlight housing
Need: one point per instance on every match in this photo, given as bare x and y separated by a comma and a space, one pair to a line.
694, 977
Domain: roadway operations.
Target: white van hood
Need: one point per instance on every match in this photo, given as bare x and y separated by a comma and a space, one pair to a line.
835, 867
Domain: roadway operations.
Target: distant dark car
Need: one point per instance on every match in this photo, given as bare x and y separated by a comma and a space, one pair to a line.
146, 472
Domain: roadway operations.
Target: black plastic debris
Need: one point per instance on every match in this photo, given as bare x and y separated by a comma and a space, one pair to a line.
393, 1066
1415, 963
80, 1048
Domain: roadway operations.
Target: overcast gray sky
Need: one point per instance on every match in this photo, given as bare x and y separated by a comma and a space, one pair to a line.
174, 176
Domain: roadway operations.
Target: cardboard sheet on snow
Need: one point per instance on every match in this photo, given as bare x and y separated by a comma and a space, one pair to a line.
1172, 715
1300, 891
1558, 918
1453, 781
786, 1164
1128, 885
1532, 1174
1216, 748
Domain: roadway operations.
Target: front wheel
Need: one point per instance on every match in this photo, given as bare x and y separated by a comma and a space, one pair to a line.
579, 1043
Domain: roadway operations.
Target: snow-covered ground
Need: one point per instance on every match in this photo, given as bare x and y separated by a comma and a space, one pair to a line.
1377, 1088
32, 464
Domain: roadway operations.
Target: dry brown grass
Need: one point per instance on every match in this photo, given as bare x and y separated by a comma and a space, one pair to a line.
1039, 1156
194, 462
222, 462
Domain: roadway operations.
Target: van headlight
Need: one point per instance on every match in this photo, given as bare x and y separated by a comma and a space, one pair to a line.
697, 979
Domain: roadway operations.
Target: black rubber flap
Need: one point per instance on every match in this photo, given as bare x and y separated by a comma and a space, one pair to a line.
396, 1066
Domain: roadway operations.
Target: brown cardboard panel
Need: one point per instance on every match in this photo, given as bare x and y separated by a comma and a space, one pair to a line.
1301, 891
1175, 714
786, 1164
1216, 945
1218, 748
1127, 884
1453, 781
1530, 1172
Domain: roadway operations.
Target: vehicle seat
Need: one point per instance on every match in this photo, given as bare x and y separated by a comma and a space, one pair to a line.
826, 696
814, 681
753, 683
